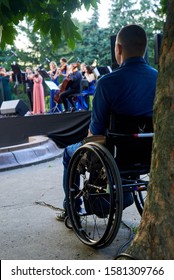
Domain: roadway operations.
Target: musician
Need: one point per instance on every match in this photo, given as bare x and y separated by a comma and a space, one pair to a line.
5, 79
90, 87
73, 87
29, 85
38, 94
63, 70
4, 73
82, 69
54, 74
89, 75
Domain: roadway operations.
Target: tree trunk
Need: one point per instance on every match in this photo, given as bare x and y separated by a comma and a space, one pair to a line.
155, 236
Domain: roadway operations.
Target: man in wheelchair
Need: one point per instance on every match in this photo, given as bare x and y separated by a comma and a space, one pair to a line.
127, 91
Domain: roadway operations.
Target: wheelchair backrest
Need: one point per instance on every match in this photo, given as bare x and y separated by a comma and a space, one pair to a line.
132, 136
130, 124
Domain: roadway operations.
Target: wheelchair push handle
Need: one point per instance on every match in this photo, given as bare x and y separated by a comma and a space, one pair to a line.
135, 135
143, 135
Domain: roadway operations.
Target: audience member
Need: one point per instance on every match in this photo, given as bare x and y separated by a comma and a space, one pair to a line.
129, 90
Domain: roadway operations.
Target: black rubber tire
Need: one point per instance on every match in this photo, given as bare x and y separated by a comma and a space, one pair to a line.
93, 180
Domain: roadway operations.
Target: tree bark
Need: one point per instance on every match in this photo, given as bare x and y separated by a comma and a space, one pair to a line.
155, 236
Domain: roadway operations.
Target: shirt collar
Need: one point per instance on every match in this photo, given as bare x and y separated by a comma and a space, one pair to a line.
133, 60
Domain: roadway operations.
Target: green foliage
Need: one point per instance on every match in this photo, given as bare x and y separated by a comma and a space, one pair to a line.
70, 31
122, 13
19, 93
148, 14
47, 103
164, 5
90, 42
95, 43
9, 35
49, 17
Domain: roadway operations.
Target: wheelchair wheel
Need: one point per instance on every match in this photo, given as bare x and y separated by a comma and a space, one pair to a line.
68, 223
94, 195
140, 194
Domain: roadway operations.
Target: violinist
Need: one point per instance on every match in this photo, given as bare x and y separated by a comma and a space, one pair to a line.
73, 86
82, 69
90, 89
29, 85
5, 91
90, 77
53, 73
4, 73
63, 70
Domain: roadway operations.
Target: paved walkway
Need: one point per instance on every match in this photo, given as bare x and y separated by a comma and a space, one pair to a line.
29, 231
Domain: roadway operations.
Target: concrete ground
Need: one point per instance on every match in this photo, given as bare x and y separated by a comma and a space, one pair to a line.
29, 230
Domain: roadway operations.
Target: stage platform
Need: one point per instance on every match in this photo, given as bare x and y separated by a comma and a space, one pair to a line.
27, 140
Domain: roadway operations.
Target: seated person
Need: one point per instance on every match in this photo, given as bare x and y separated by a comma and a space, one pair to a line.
73, 86
82, 69
129, 90
88, 89
89, 75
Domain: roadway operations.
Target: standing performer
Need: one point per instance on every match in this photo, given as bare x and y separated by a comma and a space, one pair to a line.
29, 85
38, 94
63, 70
5, 78
53, 73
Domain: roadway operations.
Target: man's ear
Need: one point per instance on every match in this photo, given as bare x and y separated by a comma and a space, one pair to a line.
119, 49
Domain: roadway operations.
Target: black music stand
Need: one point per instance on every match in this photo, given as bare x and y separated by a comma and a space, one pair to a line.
15, 68
17, 75
102, 70
43, 73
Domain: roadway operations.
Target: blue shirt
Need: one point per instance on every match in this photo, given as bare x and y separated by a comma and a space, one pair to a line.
129, 90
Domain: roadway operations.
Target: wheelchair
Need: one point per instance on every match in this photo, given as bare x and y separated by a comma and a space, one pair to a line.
102, 173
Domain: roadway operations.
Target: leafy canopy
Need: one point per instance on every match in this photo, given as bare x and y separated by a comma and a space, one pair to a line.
49, 16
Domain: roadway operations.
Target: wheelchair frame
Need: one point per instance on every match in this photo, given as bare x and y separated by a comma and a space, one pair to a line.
96, 188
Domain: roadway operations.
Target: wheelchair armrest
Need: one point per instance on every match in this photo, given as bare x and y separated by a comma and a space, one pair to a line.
101, 139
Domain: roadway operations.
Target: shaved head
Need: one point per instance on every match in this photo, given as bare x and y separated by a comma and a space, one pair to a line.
133, 40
